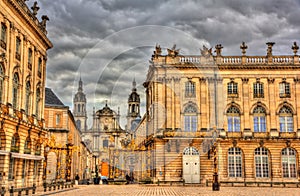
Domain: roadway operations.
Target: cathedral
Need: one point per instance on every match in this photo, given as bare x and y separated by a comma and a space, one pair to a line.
106, 137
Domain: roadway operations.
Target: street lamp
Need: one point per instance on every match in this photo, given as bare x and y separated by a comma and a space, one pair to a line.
69, 161
215, 184
46, 150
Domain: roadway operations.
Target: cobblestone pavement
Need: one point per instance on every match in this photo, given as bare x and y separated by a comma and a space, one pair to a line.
142, 190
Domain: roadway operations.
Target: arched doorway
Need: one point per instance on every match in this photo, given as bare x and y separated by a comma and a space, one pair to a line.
191, 165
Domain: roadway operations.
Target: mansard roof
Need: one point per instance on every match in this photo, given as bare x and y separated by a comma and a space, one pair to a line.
51, 98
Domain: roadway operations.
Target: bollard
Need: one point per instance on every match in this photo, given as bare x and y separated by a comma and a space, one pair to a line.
3, 191
33, 190
45, 186
11, 191
27, 191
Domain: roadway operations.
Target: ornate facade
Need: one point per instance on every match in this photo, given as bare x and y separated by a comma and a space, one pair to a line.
23, 56
67, 155
246, 105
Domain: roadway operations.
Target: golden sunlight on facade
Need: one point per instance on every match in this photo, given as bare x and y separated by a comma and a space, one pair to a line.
243, 107
23, 47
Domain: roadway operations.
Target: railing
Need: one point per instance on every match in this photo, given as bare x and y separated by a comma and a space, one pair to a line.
232, 60
283, 59
189, 59
239, 60
256, 60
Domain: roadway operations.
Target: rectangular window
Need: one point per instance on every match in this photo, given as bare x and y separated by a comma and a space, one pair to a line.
40, 68
258, 90
18, 48
284, 90
190, 123
29, 59
3, 36
11, 168
233, 123
35, 170
105, 143
190, 89
286, 123
232, 89
259, 124
57, 119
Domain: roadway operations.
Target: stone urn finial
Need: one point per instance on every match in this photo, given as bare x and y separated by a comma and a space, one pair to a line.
295, 48
243, 47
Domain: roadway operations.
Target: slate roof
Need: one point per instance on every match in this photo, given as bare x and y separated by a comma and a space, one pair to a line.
51, 99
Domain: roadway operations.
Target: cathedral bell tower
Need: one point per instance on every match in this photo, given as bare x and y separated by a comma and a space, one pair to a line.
133, 111
79, 109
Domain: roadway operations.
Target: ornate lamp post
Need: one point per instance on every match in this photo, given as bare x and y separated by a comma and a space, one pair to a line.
215, 184
69, 161
46, 150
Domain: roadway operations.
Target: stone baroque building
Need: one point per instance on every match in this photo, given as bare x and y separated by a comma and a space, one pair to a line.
23, 56
65, 142
248, 105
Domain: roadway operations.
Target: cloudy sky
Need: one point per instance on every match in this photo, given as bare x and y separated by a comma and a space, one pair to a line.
109, 42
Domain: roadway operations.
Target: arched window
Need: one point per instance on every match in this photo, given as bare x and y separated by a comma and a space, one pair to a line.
27, 98
233, 119
261, 162
190, 151
286, 123
78, 107
190, 89
37, 102
288, 159
235, 162
190, 118
78, 124
15, 143
1, 82
15, 90
259, 119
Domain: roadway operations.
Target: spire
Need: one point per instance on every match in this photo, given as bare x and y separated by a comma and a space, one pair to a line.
80, 85
133, 85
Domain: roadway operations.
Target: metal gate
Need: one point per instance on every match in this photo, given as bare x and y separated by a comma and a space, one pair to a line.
191, 165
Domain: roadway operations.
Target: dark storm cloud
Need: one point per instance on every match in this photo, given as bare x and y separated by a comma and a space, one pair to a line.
77, 29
